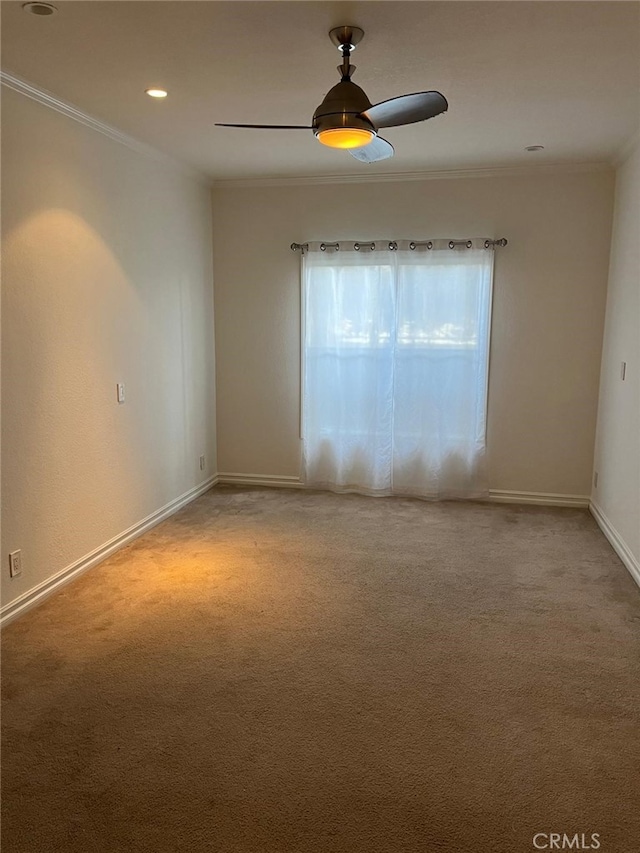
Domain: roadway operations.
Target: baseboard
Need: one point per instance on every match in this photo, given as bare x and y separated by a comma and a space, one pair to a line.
538, 498
285, 482
495, 495
43, 590
616, 541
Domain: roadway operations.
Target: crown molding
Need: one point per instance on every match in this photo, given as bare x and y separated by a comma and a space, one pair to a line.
435, 175
626, 150
17, 84
30, 90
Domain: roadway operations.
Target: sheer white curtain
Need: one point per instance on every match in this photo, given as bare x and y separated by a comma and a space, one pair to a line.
395, 364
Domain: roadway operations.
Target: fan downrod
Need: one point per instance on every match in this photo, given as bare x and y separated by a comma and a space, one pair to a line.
346, 37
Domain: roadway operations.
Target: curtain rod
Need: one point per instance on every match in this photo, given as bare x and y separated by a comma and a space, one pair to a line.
392, 245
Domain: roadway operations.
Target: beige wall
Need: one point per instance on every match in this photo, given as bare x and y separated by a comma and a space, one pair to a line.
107, 277
550, 290
617, 456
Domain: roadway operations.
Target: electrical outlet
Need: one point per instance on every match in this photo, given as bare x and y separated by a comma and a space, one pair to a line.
595, 480
120, 387
15, 563
202, 463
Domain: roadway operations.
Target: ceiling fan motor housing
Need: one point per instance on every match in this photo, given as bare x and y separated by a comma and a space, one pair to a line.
346, 118
342, 107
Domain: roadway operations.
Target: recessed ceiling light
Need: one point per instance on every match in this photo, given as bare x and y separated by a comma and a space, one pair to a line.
156, 93
40, 8
534, 148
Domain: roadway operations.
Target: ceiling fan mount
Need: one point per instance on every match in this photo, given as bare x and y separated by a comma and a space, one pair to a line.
346, 36
347, 119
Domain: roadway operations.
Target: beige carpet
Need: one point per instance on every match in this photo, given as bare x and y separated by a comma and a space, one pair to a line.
286, 672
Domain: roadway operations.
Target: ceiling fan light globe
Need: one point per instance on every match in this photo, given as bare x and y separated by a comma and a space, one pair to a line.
345, 137
343, 130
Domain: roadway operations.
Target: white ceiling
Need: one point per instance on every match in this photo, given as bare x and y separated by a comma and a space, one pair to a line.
562, 74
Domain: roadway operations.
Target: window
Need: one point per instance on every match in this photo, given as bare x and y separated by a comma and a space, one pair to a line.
395, 359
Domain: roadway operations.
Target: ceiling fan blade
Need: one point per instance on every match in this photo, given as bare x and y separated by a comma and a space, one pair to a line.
377, 149
406, 109
269, 126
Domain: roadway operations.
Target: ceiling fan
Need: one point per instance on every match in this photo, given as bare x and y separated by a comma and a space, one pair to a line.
347, 119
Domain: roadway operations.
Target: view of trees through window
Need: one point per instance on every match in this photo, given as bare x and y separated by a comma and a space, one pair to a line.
371, 312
